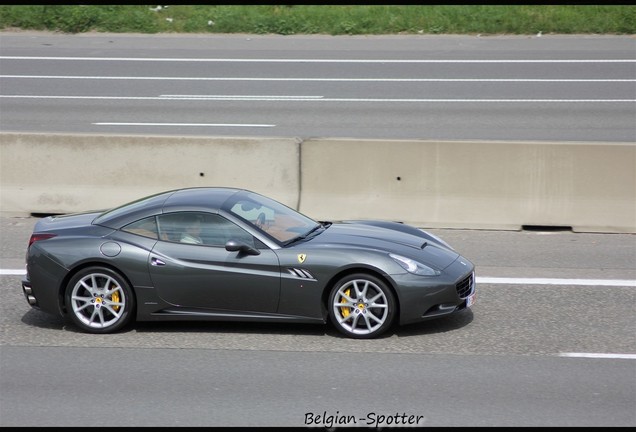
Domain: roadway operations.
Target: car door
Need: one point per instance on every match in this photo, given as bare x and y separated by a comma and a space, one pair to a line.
206, 275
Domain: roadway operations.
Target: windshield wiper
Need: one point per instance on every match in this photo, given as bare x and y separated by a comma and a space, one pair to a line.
307, 234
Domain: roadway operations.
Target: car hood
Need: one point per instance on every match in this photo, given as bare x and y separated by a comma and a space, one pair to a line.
389, 240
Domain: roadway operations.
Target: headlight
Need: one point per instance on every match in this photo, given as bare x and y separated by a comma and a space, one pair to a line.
413, 266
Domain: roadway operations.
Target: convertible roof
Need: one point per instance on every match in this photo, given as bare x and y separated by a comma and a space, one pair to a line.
204, 197
187, 199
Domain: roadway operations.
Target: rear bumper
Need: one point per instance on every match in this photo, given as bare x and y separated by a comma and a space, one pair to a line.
27, 290
40, 293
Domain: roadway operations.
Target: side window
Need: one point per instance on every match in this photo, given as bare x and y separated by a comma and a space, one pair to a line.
145, 227
200, 228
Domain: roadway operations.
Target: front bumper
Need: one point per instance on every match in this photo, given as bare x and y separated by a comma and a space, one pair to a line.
422, 298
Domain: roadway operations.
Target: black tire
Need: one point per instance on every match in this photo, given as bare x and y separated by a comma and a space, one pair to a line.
99, 300
361, 306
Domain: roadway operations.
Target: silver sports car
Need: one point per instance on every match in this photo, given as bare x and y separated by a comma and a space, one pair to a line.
234, 255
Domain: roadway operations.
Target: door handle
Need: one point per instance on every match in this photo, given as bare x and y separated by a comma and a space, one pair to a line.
157, 262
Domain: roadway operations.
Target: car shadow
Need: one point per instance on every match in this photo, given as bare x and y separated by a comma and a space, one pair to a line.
435, 326
36, 318
453, 322
229, 327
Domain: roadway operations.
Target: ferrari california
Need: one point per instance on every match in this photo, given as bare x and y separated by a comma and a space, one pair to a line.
230, 254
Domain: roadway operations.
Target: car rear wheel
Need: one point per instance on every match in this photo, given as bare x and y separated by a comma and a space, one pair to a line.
362, 306
99, 300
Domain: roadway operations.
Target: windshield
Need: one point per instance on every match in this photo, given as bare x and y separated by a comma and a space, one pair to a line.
276, 220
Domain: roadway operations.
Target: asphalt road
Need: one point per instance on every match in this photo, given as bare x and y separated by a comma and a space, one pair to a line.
551, 340
529, 353
548, 88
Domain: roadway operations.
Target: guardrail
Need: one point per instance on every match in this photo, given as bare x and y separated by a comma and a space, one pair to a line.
588, 187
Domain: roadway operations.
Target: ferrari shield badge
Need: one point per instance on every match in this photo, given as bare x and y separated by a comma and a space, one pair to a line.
301, 258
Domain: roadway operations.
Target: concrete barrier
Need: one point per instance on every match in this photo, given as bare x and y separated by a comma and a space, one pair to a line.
478, 184
60, 173
590, 187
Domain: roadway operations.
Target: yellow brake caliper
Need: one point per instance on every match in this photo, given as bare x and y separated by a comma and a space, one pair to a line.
115, 299
345, 311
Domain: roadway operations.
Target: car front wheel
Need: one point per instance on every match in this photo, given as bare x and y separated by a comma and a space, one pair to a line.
99, 300
361, 306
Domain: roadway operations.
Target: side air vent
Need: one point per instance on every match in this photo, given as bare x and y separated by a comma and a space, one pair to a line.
301, 273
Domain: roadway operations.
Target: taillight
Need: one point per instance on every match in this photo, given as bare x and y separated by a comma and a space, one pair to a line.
39, 236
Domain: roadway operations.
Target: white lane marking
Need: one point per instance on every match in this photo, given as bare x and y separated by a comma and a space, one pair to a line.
184, 124
12, 272
279, 60
250, 97
555, 281
127, 78
599, 355
312, 99
490, 280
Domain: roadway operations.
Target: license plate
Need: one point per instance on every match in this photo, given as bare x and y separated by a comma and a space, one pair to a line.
470, 300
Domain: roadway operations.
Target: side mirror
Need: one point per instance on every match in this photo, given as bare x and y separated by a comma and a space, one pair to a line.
239, 246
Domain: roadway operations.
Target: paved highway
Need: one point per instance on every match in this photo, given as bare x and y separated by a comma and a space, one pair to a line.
549, 88
550, 342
